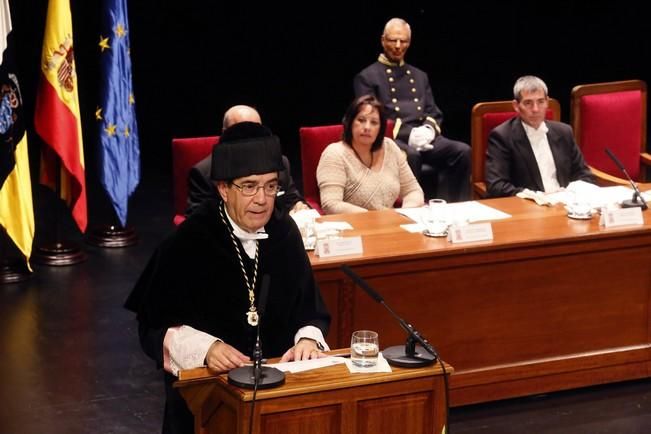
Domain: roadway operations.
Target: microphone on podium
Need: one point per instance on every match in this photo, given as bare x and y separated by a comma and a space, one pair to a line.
411, 355
637, 199
258, 376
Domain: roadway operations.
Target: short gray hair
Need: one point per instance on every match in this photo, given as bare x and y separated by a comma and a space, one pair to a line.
396, 22
529, 83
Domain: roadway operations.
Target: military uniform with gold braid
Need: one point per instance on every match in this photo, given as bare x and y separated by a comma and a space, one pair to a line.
406, 93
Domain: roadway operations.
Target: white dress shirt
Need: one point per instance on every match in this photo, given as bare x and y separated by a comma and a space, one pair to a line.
544, 157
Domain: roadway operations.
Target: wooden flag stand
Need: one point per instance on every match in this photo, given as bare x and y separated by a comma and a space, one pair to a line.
60, 252
12, 268
112, 236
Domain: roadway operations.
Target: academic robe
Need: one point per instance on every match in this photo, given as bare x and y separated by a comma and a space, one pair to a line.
194, 278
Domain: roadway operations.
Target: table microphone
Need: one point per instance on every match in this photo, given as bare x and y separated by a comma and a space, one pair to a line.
637, 199
409, 356
258, 376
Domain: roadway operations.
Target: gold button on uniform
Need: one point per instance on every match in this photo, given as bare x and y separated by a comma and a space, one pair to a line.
388, 70
394, 100
419, 108
391, 79
397, 109
411, 80
415, 99
413, 89
393, 89
409, 72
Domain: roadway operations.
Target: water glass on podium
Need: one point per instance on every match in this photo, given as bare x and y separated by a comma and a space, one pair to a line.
364, 348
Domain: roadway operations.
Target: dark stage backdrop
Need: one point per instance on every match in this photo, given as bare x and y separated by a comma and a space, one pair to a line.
193, 59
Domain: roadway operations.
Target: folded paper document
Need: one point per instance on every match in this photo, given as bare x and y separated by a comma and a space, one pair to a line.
539, 197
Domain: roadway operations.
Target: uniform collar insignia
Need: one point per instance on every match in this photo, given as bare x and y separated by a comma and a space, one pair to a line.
383, 60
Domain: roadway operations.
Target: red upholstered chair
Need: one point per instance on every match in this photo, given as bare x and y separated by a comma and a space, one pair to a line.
484, 117
313, 141
186, 153
612, 115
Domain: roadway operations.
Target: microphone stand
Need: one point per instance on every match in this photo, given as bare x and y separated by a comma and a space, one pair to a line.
637, 200
410, 355
257, 376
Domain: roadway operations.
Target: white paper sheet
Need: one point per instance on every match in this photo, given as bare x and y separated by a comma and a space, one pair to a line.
307, 365
381, 366
586, 193
304, 216
467, 212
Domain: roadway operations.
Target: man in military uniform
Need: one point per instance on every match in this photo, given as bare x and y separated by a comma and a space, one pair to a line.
406, 93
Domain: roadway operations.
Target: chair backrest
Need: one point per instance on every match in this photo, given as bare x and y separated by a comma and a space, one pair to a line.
186, 152
313, 141
611, 115
484, 117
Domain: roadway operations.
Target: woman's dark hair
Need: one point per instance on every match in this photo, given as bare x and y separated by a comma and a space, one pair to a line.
351, 113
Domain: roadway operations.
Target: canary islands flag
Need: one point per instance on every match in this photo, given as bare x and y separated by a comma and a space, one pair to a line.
16, 207
118, 130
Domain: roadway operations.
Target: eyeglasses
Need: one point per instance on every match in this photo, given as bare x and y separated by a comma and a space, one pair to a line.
251, 189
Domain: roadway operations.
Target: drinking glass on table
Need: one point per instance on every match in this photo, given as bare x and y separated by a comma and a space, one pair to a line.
308, 233
435, 218
364, 348
579, 206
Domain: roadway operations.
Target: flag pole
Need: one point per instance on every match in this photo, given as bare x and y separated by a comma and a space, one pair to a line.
59, 252
117, 125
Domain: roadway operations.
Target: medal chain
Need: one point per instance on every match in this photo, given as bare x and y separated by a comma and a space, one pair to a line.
252, 316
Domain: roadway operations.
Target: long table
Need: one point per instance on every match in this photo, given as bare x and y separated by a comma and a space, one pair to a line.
550, 303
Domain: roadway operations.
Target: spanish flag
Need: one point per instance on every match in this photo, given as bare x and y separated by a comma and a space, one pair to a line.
56, 117
16, 208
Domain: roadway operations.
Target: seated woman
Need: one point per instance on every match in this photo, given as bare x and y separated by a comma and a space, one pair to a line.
365, 170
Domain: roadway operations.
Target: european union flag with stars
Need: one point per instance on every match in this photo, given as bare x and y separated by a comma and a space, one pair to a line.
120, 151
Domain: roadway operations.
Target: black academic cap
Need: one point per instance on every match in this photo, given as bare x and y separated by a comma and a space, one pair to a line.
246, 148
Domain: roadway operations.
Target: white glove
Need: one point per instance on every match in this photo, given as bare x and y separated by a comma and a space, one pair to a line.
420, 138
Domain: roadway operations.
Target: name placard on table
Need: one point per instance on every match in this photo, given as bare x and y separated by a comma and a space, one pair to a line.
615, 217
339, 246
469, 233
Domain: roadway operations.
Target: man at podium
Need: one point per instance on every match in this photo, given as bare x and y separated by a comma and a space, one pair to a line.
197, 299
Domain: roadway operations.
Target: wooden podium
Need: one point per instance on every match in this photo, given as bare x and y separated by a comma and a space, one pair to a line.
325, 400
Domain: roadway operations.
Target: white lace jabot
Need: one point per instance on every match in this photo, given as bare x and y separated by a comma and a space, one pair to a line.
248, 239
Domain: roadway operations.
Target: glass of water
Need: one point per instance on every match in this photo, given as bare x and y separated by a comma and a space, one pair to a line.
308, 233
364, 348
435, 218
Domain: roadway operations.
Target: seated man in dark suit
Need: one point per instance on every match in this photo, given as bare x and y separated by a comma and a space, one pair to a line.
201, 188
530, 152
